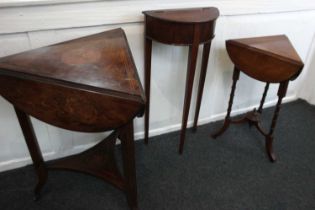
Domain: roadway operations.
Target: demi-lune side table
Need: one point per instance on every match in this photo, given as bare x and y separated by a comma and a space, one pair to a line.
88, 84
180, 27
270, 59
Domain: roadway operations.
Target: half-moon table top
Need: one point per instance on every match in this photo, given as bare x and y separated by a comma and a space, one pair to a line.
268, 58
181, 26
192, 15
88, 84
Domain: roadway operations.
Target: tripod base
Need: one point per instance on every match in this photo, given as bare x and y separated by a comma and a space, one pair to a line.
253, 118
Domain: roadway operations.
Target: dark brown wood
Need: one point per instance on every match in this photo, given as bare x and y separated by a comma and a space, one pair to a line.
147, 83
263, 98
128, 151
202, 78
269, 59
34, 149
88, 84
62, 106
273, 58
192, 61
177, 26
98, 161
180, 27
227, 121
100, 62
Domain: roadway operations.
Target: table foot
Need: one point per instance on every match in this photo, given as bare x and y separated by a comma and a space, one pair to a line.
253, 118
222, 129
269, 149
129, 165
42, 179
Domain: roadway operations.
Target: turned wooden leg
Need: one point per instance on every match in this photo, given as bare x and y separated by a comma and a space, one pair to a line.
263, 98
34, 150
147, 82
192, 60
203, 72
128, 153
227, 121
269, 138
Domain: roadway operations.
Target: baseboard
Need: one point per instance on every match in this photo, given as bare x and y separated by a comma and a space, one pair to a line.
217, 117
20, 162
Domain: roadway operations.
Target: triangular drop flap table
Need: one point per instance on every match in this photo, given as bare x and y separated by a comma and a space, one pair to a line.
190, 27
269, 59
88, 84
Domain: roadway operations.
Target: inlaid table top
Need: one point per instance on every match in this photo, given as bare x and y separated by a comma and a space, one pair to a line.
269, 58
87, 84
100, 62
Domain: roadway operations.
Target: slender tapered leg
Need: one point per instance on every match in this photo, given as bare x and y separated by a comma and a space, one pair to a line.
227, 121
203, 72
147, 82
269, 138
128, 153
34, 149
192, 60
263, 98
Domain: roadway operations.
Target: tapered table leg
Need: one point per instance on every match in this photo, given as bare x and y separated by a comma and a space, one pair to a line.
192, 60
269, 138
128, 153
34, 149
227, 121
147, 72
203, 72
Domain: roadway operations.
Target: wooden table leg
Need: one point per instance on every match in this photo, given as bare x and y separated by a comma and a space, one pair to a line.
147, 82
227, 121
269, 138
263, 98
203, 72
128, 153
192, 60
34, 150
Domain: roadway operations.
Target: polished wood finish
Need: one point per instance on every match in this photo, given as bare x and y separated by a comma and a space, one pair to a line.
62, 106
34, 149
270, 59
88, 84
180, 27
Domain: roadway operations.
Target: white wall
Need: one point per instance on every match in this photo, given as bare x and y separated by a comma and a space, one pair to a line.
27, 27
307, 88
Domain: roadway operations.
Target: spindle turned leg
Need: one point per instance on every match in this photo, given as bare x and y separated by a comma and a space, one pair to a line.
261, 105
227, 121
34, 149
253, 117
202, 78
192, 60
269, 137
147, 84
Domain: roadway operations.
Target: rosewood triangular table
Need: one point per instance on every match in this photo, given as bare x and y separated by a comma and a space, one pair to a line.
270, 59
88, 84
